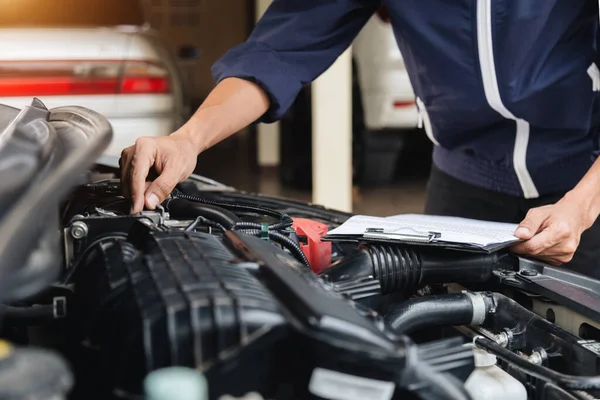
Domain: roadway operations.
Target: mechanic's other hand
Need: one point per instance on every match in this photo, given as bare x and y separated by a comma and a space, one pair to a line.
552, 233
173, 158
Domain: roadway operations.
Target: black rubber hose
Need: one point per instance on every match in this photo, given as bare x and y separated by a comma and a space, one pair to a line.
284, 241
27, 314
185, 209
285, 221
565, 381
399, 267
437, 310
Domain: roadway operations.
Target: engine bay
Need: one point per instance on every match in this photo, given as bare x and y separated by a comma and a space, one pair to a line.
241, 288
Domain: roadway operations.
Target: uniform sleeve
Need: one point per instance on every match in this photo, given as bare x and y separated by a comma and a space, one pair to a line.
293, 43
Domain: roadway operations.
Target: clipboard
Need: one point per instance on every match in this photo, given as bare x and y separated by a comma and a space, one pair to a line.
386, 230
409, 235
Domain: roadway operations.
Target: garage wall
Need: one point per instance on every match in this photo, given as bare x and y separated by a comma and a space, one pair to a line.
211, 25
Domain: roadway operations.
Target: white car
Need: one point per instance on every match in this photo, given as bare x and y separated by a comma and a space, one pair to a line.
99, 55
387, 96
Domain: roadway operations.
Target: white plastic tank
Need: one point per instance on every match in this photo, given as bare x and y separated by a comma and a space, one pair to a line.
490, 382
175, 383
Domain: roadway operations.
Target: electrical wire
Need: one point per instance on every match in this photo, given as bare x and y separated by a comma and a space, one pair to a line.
565, 381
252, 228
83, 256
283, 240
191, 227
285, 221
255, 229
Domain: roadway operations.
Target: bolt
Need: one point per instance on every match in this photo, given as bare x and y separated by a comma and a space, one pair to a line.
79, 230
528, 272
502, 339
512, 281
536, 358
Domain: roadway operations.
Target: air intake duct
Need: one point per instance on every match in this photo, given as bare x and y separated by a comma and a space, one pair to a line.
398, 267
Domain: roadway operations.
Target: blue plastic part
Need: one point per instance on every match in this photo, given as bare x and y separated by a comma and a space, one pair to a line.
264, 232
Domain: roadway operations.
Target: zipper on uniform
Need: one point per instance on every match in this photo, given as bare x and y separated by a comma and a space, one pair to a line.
419, 114
425, 122
492, 93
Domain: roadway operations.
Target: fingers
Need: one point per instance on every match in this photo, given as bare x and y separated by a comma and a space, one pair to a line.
172, 158
140, 164
124, 165
555, 244
162, 186
536, 244
532, 223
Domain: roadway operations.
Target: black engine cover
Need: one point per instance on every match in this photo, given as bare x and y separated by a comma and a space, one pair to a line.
179, 300
236, 307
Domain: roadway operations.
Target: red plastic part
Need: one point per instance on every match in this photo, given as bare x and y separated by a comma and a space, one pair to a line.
317, 252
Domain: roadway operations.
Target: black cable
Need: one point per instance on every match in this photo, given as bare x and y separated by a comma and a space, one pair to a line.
285, 221
186, 209
282, 240
259, 226
565, 381
83, 256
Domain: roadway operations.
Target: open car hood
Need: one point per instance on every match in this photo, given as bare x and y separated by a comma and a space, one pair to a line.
227, 284
43, 155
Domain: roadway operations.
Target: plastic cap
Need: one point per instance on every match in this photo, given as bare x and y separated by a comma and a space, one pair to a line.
175, 383
483, 358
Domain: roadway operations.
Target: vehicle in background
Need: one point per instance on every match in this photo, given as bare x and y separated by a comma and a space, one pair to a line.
98, 54
388, 99
385, 114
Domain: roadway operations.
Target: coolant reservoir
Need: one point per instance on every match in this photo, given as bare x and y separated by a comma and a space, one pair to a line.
490, 382
175, 383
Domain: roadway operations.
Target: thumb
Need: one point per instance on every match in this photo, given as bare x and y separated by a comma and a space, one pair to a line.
160, 188
529, 226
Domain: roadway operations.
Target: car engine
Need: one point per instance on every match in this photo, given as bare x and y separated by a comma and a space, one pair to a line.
242, 289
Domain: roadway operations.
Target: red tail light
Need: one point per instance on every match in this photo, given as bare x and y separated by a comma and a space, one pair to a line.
68, 78
403, 104
383, 14
144, 77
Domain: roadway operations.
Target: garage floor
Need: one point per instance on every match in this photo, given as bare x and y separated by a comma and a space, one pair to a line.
406, 195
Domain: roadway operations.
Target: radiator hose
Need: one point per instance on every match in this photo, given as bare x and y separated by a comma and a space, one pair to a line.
467, 308
399, 267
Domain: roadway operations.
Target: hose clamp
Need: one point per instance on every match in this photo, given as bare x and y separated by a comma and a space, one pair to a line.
479, 307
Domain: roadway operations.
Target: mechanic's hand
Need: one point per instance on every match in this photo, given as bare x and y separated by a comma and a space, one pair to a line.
172, 157
552, 232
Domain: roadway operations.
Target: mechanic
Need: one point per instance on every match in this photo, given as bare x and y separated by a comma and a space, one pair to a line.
511, 94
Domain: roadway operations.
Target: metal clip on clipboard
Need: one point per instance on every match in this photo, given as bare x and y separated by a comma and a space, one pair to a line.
413, 236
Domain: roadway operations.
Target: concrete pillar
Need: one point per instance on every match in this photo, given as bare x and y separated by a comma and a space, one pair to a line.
332, 135
268, 134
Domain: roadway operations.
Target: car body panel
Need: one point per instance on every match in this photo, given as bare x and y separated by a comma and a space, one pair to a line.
131, 115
